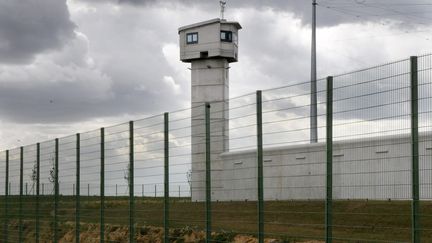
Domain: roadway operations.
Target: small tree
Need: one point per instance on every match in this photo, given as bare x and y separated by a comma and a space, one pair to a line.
52, 174
189, 180
33, 176
126, 176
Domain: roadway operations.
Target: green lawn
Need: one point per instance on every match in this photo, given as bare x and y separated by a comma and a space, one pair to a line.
354, 221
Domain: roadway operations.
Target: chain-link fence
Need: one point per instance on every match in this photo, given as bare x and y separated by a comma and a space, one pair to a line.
242, 170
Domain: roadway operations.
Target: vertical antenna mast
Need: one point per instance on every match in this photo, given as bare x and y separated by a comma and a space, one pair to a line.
313, 107
222, 11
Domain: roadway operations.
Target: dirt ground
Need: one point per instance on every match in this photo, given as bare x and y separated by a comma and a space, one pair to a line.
149, 234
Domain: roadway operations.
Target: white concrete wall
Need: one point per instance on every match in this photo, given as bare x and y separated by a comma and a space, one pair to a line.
375, 168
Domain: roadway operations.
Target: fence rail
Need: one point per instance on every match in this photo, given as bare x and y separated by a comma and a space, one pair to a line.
240, 169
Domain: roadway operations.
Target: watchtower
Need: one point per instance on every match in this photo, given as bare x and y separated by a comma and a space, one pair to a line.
209, 46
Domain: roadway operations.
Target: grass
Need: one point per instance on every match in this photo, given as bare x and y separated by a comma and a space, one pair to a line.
354, 221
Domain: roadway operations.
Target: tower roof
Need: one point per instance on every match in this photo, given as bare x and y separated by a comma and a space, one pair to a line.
211, 21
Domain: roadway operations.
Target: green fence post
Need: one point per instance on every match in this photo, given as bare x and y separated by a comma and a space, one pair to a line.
56, 190
102, 185
20, 210
166, 181
6, 210
260, 160
77, 194
208, 173
37, 192
131, 184
415, 152
329, 162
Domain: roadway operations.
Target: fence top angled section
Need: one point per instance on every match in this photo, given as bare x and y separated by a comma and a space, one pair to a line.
251, 94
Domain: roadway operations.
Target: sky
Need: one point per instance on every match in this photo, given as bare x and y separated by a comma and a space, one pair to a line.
69, 66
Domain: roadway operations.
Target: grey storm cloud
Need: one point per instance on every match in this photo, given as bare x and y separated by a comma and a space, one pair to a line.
30, 27
58, 81
336, 12
89, 95
120, 65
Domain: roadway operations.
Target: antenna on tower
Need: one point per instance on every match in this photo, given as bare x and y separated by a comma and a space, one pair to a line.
222, 11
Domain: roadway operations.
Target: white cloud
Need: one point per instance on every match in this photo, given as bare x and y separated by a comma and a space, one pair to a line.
171, 84
171, 53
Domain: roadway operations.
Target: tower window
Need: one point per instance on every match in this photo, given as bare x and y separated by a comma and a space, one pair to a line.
192, 38
226, 36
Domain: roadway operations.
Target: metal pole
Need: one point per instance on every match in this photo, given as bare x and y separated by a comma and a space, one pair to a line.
20, 213
314, 109
131, 184
116, 190
37, 192
142, 190
78, 193
329, 162
260, 160
415, 152
155, 190
26, 189
208, 173
102, 185
56, 190
166, 177
6, 209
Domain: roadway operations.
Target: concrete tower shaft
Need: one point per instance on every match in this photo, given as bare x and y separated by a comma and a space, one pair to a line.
210, 83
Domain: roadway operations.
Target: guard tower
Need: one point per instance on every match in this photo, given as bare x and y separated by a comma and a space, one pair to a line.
209, 46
